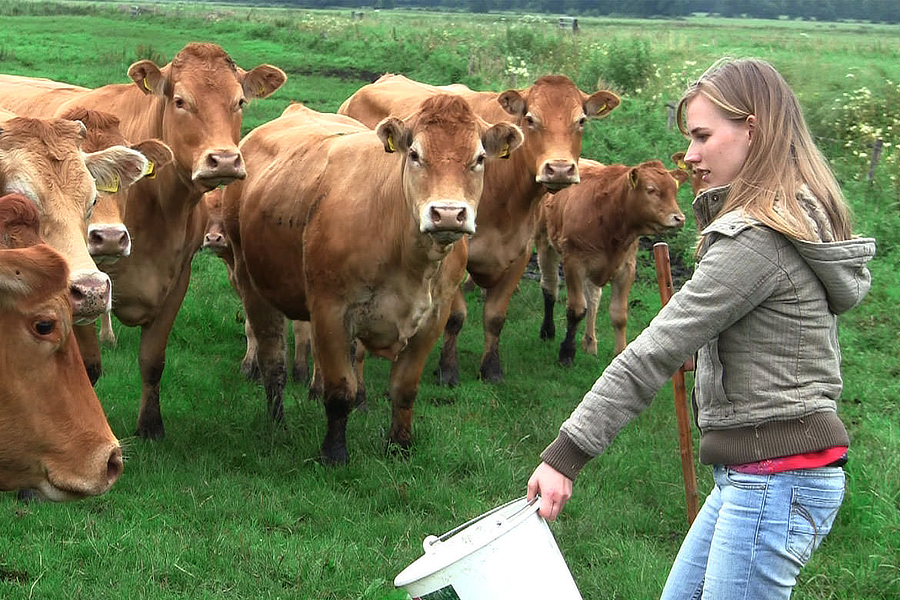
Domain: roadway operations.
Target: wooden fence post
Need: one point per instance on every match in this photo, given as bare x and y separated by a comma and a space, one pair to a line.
671, 107
876, 154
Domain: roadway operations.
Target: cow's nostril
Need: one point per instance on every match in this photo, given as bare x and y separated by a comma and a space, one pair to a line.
95, 238
114, 466
461, 216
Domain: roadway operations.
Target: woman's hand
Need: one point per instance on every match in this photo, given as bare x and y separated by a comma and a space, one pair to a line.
554, 488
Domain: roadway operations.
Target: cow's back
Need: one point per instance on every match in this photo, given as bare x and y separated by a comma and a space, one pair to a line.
35, 97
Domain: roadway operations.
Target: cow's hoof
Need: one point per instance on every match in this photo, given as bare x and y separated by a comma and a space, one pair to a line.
548, 332
447, 377
300, 373
335, 457
491, 373
152, 432
398, 449
28, 496
250, 369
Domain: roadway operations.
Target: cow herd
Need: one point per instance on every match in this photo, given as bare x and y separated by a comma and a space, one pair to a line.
358, 226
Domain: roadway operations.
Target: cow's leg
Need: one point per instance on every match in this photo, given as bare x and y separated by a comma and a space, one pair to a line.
447, 371
269, 326
331, 353
618, 298
592, 295
357, 359
300, 369
89, 345
496, 302
548, 263
152, 357
575, 308
107, 335
250, 362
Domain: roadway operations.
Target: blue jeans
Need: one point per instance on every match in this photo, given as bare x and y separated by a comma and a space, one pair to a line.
754, 534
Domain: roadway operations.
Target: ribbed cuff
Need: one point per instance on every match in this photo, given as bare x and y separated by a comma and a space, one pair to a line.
565, 456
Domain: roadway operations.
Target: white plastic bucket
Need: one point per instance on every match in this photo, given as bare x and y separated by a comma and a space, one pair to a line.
508, 552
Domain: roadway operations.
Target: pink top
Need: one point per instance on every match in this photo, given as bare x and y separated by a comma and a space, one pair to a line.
810, 460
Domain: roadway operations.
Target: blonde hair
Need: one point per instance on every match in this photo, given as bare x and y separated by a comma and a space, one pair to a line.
782, 156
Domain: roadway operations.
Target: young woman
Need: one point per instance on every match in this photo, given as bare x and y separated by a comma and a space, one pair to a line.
777, 263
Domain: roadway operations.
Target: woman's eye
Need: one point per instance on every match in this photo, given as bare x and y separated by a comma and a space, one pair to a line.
44, 327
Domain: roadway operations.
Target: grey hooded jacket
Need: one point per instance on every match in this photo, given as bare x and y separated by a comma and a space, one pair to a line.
759, 313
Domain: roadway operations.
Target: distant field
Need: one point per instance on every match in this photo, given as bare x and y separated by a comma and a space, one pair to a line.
228, 506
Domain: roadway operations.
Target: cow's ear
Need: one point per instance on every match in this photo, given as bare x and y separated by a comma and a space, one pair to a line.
395, 136
678, 159
501, 139
633, 177
262, 81
680, 175
600, 104
115, 168
158, 155
512, 102
147, 76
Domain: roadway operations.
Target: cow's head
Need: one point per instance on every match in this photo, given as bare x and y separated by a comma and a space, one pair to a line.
54, 436
652, 196
552, 114
444, 146
203, 95
697, 183
215, 240
108, 237
42, 160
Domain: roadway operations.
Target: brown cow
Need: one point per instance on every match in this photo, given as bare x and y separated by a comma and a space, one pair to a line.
216, 241
42, 159
195, 105
54, 436
108, 237
371, 247
35, 96
552, 114
594, 227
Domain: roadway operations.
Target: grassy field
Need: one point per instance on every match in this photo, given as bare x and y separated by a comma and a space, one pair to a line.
229, 506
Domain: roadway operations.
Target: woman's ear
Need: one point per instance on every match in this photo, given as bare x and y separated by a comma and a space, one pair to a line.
751, 124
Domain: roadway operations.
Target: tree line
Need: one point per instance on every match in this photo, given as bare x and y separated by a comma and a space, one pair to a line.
885, 11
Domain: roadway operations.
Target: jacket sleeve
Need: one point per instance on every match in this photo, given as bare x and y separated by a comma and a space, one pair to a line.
737, 273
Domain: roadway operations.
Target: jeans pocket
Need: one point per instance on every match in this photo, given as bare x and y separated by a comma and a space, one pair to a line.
813, 511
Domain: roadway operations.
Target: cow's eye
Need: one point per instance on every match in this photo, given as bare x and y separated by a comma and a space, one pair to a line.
180, 103
414, 156
529, 120
582, 121
242, 103
479, 161
44, 328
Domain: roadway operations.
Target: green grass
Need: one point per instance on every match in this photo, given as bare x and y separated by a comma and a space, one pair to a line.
229, 506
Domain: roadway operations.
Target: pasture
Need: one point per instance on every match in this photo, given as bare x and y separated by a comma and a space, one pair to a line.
230, 506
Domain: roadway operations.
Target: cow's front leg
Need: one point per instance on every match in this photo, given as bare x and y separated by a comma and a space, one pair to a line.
592, 296
89, 345
447, 371
575, 309
152, 357
622, 281
496, 303
331, 346
300, 371
548, 263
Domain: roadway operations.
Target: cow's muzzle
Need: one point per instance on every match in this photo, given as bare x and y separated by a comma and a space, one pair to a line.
556, 175
442, 217
219, 167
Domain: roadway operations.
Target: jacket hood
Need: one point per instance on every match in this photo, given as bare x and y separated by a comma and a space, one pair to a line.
841, 266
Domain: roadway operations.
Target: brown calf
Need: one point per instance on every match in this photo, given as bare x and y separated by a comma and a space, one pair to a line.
594, 228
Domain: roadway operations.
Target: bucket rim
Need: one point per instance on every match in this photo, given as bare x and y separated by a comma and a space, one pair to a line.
406, 576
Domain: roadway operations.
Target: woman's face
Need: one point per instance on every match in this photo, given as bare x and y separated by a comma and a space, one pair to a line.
719, 146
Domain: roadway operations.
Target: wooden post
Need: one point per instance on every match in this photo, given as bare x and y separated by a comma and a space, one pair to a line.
685, 443
671, 107
876, 154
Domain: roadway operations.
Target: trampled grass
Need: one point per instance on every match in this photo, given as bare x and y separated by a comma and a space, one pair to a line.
230, 506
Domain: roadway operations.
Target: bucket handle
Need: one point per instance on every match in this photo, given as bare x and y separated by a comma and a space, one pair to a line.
429, 541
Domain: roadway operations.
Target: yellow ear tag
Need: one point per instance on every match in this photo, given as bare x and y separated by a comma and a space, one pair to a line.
677, 184
602, 108
505, 152
682, 165
111, 188
632, 178
150, 171
261, 92
147, 85
390, 142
